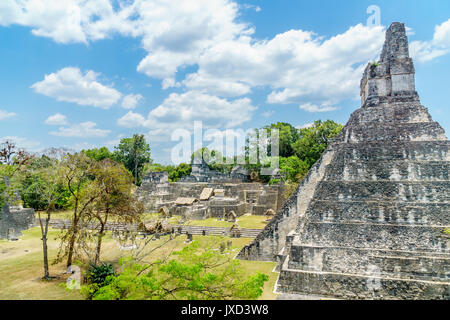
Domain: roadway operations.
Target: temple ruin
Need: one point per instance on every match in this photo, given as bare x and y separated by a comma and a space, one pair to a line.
207, 193
371, 219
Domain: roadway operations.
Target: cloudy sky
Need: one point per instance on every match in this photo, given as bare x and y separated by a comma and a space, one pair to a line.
82, 74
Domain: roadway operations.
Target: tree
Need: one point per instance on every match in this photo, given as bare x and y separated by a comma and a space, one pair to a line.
196, 272
287, 135
314, 140
113, 186
175, 172
76, 174
32, 183
12, 161
180, 171
99, 154
293, 168
42, 188
134, 153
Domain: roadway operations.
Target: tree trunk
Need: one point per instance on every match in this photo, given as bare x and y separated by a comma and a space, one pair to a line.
99, 243
72, 242
44, 231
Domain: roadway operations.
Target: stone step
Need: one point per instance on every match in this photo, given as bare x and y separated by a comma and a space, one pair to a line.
361, 261
375, 236
358, 286
401, 150
392, 133
381, 212
383, 190
394, 113
393, 170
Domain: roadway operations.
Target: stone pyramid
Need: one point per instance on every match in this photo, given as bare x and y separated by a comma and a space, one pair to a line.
369, 221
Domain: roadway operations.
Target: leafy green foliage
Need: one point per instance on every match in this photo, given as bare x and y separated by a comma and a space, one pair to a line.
287, 135
175, 172
38, 180
193, 273
134, 153
293, 168
99, 154
314, 140
98, 273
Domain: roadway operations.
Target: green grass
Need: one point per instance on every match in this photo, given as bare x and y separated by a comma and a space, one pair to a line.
21, 266
21, 270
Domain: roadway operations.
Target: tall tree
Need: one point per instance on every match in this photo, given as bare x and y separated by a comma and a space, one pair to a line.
12, 161
113, 184
42, 188
314, 140
287, 135
99, 154
76, 172
134, 153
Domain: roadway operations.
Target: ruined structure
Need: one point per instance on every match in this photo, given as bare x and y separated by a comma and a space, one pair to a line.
369, 221
217, 198
202, 173
13, 220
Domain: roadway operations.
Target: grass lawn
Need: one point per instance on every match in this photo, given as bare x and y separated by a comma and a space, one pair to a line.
21, 265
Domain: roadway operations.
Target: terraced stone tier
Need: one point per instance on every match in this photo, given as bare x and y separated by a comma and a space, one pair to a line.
376, 236
437, 191
401, 150
401, 264
350, 286
425, 131
391, 113
393, 170
387, 212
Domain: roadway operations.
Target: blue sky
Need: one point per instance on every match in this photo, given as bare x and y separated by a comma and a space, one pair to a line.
80, 75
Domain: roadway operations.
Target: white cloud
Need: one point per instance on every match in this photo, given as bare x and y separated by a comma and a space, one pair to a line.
424, 51
71, 85
5, 114
131, 101
170, 45
179, 111
68, 21
131, 120
82, 130
309, 107
298, 65
57, 119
